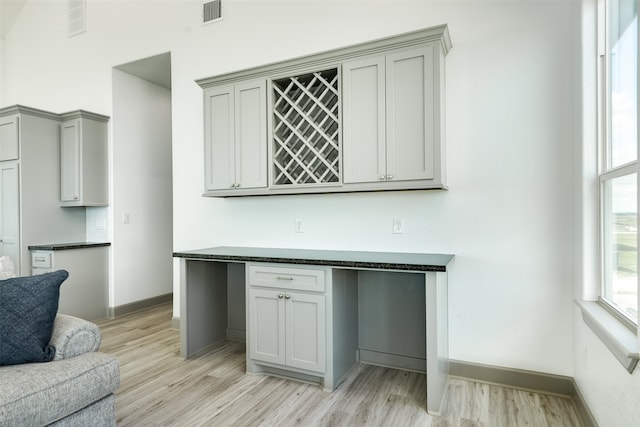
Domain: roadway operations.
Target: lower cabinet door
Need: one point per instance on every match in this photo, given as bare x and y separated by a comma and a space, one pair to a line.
267, 325
306, 331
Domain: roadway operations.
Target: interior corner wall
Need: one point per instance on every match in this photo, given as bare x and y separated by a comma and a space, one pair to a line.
141, 264
507, 215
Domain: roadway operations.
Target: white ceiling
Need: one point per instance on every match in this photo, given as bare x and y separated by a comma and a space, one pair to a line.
156, 69
9, 11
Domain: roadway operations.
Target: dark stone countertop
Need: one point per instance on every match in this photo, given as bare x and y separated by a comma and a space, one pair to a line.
334, 258
66, 246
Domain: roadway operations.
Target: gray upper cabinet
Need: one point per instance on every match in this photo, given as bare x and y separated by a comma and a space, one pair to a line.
392, 127
9, 137
235, 148
83, 159
368, 117
29, 185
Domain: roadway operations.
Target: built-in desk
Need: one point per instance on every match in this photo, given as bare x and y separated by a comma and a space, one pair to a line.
382, 308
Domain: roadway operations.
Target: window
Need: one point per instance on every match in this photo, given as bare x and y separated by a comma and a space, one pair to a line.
618, 50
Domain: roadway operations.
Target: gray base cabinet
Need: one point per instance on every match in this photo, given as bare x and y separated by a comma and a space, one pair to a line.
286, 318
85, 293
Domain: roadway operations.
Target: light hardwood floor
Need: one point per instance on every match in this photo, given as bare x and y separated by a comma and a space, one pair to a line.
159, 388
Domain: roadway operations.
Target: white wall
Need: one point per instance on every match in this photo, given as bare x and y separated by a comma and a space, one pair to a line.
611, 393
141, 252
508, 214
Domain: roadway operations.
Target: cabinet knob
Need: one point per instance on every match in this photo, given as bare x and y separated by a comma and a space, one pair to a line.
389, 176
75, 197
381, 177
280, 296
287, 296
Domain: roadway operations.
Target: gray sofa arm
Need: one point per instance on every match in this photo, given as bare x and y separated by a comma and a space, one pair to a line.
73, 336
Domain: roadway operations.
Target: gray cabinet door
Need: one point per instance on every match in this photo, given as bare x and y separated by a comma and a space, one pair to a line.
266, 328
306, 331
219, 130
70, 161
251, 135
10, 213
409, 114
9, 138
363, 103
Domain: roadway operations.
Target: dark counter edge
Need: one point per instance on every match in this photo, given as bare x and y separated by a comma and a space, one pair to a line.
65, 246
313, 261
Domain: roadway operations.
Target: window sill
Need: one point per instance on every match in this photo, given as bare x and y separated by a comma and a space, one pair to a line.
622, 342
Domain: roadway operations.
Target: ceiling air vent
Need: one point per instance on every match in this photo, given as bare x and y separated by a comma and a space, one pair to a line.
211, 11
77, 17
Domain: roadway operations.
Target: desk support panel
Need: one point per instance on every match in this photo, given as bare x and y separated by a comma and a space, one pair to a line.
203, 305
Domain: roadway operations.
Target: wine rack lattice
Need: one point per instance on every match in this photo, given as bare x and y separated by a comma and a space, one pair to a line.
306, 129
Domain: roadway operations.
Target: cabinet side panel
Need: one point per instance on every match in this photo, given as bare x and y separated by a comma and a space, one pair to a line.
95, 188
345, 322
392, 312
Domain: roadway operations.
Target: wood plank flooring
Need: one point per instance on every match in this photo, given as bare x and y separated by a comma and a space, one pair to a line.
159, 388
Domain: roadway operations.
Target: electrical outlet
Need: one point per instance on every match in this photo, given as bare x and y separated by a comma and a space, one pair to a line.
298, 226
398, 226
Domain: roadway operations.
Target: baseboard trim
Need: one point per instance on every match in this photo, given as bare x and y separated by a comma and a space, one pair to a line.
120, 310
526, 380
175, 323
517, 378
585, 414
388, 360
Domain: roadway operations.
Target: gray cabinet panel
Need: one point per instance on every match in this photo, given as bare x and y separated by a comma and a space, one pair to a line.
9, 137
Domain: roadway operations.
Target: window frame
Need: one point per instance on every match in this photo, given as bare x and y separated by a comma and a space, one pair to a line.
606, 172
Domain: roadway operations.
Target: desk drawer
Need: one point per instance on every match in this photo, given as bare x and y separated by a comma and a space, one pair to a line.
41, 259
287, 278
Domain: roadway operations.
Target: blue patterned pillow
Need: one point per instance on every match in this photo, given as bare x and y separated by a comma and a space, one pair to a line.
28, 307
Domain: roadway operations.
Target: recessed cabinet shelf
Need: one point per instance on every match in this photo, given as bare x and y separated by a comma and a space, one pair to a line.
369, 117
306, 129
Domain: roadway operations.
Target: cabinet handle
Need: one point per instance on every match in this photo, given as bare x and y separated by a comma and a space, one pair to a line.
284, 278
280, 296
287, 296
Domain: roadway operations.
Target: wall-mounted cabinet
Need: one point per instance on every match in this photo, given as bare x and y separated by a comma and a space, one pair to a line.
368, 117
83, 159
235, 149
392, 126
